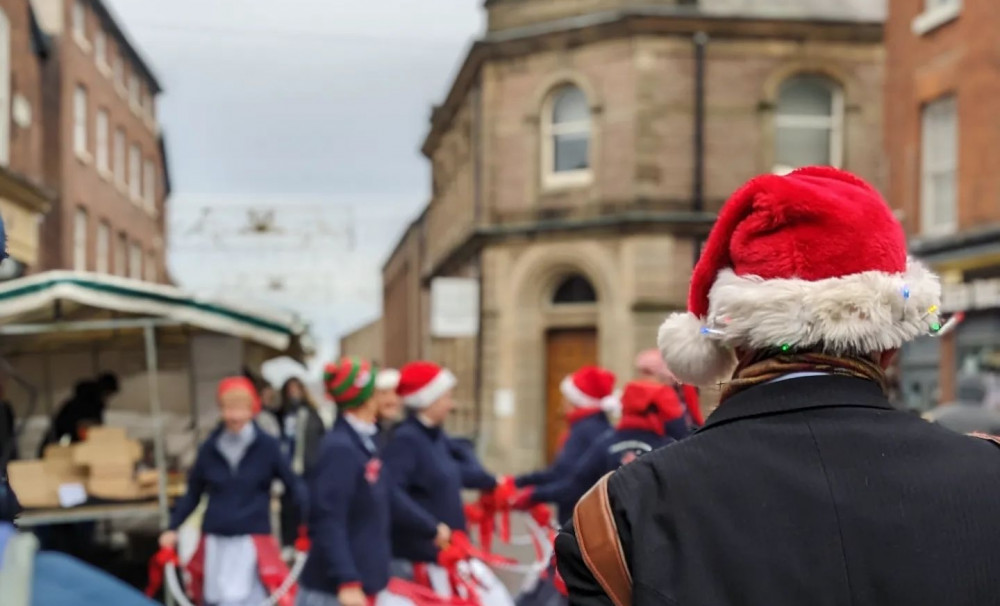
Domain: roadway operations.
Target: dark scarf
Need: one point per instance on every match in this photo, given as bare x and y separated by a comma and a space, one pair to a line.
760, 367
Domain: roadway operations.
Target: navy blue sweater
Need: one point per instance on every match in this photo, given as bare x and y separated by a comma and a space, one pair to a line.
582, 435
239, 502
612, 450
422, 461
354, 502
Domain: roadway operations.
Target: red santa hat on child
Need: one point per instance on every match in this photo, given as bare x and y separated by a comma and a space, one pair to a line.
240, 384
814, 259
423, 383
591, 387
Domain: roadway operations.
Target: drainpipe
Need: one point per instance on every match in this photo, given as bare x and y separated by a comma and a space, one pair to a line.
477, 194
700, 41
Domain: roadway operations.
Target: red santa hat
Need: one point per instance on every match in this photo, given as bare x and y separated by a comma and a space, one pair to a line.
591, 387
423, 383
811, 260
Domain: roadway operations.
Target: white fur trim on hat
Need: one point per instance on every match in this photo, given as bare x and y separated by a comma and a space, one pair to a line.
387, 379
579, 399
430, 393
866, 312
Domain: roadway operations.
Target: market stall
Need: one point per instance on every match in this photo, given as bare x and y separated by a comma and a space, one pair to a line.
167, 347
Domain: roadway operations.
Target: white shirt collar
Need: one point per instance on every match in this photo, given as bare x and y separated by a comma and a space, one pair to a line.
362, 427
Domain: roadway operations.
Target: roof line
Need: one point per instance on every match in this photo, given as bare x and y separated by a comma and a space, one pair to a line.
111, 21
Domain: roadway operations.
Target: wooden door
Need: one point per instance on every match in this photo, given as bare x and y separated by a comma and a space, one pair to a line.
565, 352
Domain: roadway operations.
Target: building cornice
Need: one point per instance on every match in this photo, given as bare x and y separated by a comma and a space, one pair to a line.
681, 223
18, 189
574, 31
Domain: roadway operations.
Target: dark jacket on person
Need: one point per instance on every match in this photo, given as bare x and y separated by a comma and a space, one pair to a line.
474, 475
423, 463
353, 507
582, 435
615, 448
239, 502
85, 406
809, 490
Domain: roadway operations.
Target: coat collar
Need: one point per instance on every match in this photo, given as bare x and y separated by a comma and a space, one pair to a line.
804, 393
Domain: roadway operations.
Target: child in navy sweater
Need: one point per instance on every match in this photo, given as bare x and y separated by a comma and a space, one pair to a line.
587, 395
640, 430
353, 502
238, 561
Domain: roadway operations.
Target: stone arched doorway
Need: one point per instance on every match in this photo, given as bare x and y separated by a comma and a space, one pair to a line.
570, 342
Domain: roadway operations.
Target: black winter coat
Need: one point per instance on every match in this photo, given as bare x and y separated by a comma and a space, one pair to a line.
811, 491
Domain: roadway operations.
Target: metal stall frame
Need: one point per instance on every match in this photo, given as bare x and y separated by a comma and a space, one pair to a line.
148, 327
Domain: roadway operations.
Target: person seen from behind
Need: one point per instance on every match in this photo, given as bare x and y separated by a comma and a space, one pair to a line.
805, 486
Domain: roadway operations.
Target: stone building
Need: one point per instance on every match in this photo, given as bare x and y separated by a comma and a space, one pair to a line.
578, 161
365, 341
942, 94
104, 149
23, 197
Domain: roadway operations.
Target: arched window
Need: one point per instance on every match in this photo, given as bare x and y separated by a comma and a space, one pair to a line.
574, 289
808, 123
566, 137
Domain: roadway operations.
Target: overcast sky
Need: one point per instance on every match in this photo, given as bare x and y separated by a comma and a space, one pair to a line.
319, 107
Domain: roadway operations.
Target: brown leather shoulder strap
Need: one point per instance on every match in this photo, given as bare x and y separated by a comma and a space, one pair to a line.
597, 536
987, 437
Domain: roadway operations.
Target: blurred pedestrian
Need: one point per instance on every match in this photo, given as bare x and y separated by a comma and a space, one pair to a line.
650, 366
587, 395
641, 430
421, 459
238, 561
354, 504
390, 406
302, 431
805, 486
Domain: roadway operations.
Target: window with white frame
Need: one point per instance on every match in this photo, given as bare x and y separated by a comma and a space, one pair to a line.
135, 262
149, 185
101, 135
79, 22
151, 273
939, 167
135, 172
134, 90
80, 240
566, 129
80, 121
101, 49
120, 157
121, 255
103, 247
808, 123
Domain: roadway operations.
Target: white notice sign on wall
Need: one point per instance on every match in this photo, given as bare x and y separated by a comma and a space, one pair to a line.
503, 403
454, 307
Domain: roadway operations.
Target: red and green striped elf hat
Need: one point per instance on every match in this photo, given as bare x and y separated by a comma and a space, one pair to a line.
349, 382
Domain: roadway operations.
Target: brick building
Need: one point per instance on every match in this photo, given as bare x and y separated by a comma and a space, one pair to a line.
105, 152
941, 98
578, 160
23, 197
